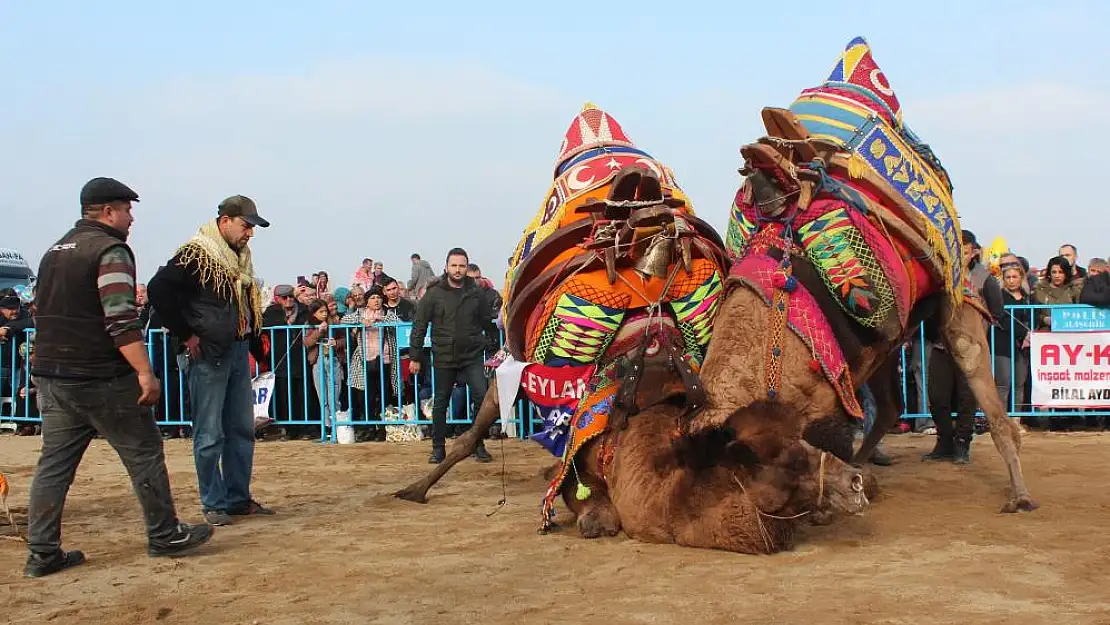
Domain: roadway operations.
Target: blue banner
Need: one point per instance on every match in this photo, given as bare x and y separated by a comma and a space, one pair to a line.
1080, 320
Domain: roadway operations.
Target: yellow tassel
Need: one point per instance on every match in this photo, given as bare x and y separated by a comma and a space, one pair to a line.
583, 492
857, 166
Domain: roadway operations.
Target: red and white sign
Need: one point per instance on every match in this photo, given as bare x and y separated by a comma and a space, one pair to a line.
555, 386
1070, 369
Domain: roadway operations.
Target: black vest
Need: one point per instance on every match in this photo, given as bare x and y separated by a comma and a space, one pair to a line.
70, 338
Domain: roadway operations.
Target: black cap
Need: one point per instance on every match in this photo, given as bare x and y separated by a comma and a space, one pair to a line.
10, 303
242, 206
106, 190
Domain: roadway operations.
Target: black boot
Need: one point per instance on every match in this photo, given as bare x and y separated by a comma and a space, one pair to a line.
880, 458
945, 449
438, 455
480, 453
962, 453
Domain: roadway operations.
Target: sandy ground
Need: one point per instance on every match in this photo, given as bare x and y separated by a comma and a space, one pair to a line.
932, 549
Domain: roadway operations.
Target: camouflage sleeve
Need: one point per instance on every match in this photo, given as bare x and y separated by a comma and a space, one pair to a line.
116, 283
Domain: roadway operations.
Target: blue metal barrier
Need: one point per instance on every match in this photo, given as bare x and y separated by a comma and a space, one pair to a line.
320, 398
1018, 406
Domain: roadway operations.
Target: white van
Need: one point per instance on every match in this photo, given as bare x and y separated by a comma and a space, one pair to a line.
14, 270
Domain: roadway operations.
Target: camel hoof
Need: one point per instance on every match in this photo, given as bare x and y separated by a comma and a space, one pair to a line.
1023, 504
411, 494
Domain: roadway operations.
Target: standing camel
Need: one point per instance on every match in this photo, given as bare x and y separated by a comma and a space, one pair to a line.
844, 237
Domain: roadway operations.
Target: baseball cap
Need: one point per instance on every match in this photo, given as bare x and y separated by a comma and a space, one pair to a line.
10, 302
105, 190
243, 207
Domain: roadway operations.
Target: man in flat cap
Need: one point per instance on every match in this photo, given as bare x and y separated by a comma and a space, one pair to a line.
207, 297
93, 377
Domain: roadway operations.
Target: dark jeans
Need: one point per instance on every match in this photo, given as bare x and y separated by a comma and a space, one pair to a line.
473, 375
948, 389
223, 428
73, 411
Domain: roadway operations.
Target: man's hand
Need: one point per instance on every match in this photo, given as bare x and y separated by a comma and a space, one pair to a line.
414, 367
4, 331
192, 346
150, 390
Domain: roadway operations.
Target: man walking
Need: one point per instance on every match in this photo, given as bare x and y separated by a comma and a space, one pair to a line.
207, 297
93, 377
458, 311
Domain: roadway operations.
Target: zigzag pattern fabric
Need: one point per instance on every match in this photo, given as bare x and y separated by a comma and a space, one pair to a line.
847, 266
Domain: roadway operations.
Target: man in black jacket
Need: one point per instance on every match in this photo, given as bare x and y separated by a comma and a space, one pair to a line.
292, 399
458, 311
1096, 288
948, 386
207, 297
93, 377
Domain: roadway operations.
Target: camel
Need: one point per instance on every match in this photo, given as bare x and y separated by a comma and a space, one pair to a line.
640, 277
644, 479
716, 494
844, 238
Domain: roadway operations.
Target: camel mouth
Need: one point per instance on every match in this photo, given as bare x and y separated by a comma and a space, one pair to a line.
857, 501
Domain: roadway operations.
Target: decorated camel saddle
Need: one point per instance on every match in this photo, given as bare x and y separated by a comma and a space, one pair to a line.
842, 182
615, 267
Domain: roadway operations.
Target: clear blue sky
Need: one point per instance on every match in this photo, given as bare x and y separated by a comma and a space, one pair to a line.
379, 129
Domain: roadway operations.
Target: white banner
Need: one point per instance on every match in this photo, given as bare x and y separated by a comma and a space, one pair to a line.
263, 387
1070, 369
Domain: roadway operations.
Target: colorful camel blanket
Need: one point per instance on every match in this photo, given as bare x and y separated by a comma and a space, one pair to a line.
869, 206
614, 259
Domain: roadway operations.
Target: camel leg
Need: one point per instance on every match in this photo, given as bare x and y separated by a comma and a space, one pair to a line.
883, 389
488, 414
966, 340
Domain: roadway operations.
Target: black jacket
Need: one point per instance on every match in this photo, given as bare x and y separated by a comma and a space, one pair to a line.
189, 309
1005, 342
287, 350
459, 319
1096, 291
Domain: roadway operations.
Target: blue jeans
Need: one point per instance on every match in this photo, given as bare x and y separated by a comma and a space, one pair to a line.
324, 369
222, 402
870, 409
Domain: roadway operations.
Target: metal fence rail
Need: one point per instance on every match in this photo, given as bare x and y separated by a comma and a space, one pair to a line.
319, 400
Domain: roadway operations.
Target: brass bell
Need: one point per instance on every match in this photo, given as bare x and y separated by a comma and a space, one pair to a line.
656, 259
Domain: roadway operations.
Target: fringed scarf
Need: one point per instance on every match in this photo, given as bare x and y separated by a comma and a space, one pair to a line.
227, 272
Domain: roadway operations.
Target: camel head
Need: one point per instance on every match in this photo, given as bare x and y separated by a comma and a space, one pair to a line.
822, 484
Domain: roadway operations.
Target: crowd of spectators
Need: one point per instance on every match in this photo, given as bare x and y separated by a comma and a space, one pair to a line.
311, 317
